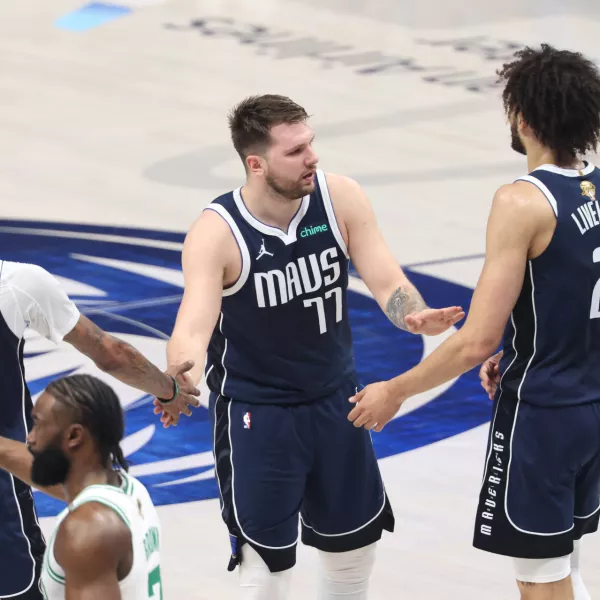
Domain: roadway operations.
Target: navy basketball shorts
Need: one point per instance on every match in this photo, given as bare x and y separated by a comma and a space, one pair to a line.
541, 486
277, 464
22, 544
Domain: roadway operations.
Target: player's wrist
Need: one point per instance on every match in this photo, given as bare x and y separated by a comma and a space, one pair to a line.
175, 391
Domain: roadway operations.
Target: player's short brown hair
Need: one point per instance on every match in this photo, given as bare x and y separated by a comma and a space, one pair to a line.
250, 122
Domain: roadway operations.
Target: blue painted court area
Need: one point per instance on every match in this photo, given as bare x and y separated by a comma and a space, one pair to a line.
91, 15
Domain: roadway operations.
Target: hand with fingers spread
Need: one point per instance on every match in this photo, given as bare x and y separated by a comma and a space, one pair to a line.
376, 405
184, 395
489, 374
433, 321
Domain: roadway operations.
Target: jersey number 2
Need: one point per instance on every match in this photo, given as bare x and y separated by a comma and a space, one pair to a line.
320, 304
155, 584
595, 308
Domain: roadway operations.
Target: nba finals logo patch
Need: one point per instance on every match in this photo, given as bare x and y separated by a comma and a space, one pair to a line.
588, 189
247, 421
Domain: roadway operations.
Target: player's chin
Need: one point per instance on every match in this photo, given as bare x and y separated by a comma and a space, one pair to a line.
308, 184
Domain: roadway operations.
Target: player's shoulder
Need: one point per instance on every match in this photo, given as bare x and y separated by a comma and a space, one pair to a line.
520, 197
212, 227
28, 278
347, 196
91, 534
93, 523
341, 183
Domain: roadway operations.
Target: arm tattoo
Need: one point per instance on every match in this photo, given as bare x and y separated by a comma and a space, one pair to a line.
120, 359
402, 302
136, 370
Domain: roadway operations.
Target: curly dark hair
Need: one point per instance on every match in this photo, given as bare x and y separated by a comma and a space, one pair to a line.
251, 120
557, 93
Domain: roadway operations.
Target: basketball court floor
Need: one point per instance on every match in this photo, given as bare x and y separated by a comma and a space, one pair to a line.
113, 137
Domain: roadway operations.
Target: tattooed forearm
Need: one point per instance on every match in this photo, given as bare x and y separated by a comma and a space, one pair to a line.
403, 301
133, 368
119, 358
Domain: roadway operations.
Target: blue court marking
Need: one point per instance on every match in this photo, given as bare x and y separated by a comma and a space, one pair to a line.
91, 15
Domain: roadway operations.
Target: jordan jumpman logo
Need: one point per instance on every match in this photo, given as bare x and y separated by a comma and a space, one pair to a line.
263, 251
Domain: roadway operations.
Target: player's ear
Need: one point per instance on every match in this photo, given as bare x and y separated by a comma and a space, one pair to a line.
254, 164
522, 125
75, 436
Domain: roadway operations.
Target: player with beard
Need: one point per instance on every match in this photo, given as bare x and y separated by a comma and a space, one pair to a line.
266, 275
106, 543
31, 299
540, 288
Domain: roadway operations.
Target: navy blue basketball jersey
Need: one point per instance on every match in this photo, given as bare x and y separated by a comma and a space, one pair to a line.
283, 335
552, 341
29, 298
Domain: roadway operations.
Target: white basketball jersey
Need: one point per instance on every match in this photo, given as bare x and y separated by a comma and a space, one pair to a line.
133, 505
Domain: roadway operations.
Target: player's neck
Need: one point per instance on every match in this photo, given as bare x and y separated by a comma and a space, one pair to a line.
538, 156
268, 206
82, 477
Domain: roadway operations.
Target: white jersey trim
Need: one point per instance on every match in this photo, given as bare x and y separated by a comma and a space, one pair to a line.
288, 237
589, 167
331, 212
549, 195
241, 242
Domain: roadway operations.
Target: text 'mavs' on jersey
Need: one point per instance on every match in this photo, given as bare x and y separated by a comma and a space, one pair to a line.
283, 334
552, 341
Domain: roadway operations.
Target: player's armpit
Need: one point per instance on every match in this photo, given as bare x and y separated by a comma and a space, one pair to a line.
94, 548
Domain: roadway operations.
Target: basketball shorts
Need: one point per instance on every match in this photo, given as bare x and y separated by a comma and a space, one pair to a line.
278, 464
541, 486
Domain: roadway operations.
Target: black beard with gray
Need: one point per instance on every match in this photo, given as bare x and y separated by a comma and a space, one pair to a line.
50, 466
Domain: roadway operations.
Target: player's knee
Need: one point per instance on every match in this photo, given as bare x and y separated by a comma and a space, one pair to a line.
257, 580
541, 570
347, 572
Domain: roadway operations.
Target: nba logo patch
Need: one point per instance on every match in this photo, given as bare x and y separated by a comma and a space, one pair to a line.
247, 421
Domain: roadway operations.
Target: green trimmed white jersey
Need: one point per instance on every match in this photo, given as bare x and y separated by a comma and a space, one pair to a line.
133, 505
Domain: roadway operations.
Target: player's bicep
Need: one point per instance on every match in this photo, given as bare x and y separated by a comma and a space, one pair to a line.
203, 269
90, 546
368, 250
99, 588
509, 235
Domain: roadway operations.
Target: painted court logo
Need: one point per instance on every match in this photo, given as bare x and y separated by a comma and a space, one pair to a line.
129, 281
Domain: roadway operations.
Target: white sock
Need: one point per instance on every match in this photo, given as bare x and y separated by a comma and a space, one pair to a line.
579, 590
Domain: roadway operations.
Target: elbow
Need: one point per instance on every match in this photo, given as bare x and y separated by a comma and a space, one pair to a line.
479, 348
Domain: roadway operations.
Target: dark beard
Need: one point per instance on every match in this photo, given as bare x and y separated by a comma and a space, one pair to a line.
515, 142
51, 466
291, 192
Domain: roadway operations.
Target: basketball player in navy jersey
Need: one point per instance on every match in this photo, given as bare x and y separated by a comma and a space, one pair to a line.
540, 286
266, 273
32, 298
